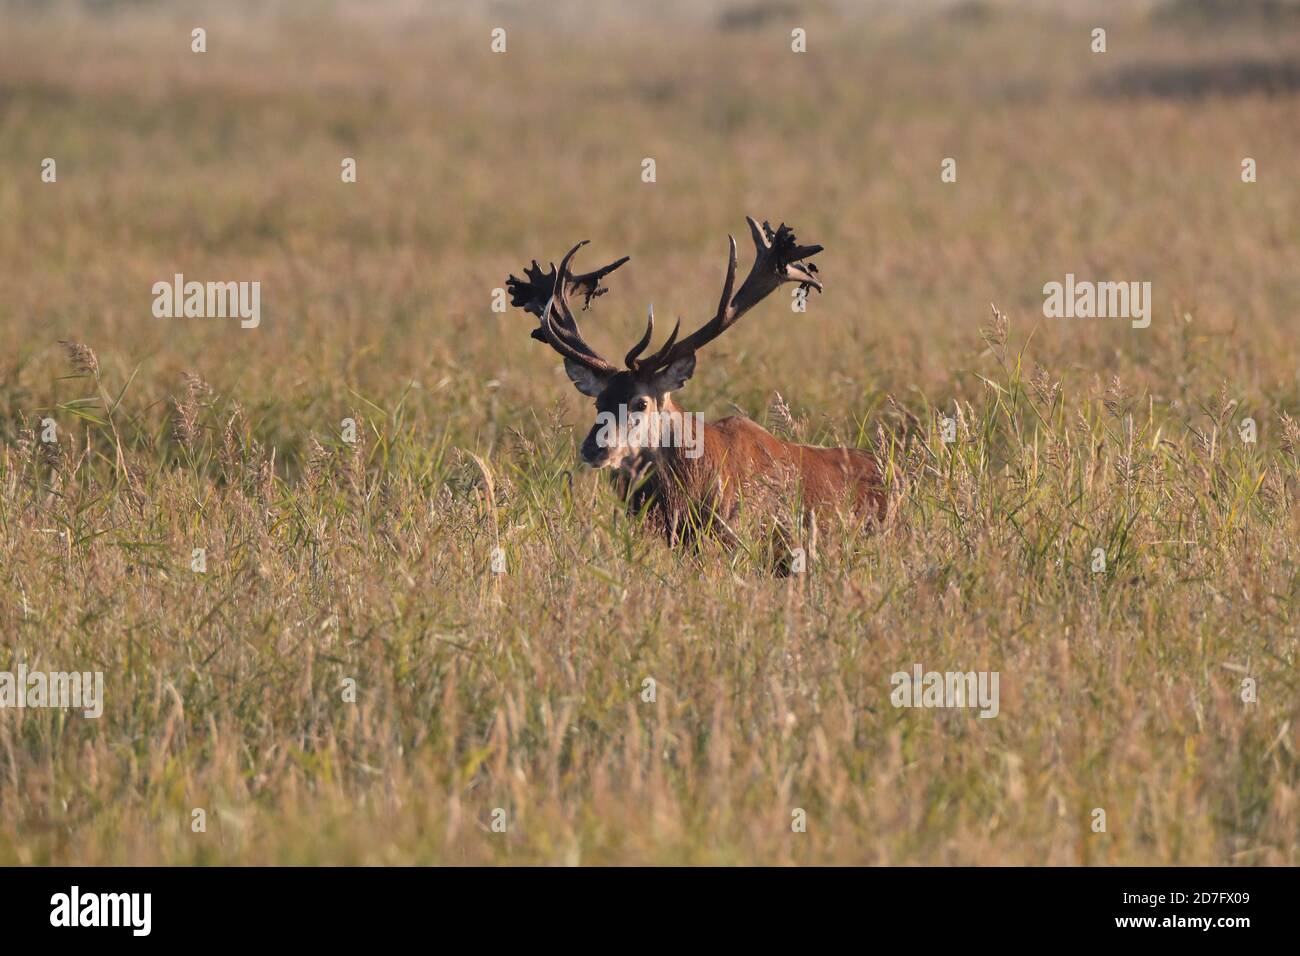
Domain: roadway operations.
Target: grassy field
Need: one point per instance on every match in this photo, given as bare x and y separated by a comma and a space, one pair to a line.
329, 563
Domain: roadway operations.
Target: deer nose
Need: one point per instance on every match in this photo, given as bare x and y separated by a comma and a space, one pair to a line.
592, 451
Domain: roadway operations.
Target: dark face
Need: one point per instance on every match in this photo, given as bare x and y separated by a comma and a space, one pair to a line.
623, 400
628, 423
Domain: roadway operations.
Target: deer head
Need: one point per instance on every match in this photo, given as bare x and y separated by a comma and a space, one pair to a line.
631, 402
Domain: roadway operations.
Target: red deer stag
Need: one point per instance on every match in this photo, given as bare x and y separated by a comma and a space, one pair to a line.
694, 479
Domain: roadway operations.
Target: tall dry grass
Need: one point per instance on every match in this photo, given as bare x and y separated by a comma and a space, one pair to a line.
329, 561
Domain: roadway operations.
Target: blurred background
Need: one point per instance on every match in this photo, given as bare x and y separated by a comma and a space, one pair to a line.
328, 560
226, 166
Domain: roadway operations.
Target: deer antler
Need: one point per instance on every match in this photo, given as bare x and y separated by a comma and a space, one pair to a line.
777, 259
545, 294
534, 290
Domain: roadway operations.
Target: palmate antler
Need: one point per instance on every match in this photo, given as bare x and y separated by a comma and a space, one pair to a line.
545, 295
777, 259
532, 292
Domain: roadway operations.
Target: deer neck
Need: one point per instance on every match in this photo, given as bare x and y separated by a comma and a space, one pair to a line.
672, 457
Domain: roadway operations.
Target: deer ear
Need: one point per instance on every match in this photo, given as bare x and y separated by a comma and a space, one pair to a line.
675, 375
584, 379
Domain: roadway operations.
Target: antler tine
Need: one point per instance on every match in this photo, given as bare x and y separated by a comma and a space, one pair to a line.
728, 286
657, 360
672, 349
532, 292
559, 341
631, 357
545, 295
588, 284
559, 290
777, 258
561, 327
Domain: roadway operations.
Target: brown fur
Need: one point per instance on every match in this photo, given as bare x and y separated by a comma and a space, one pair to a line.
742, 464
